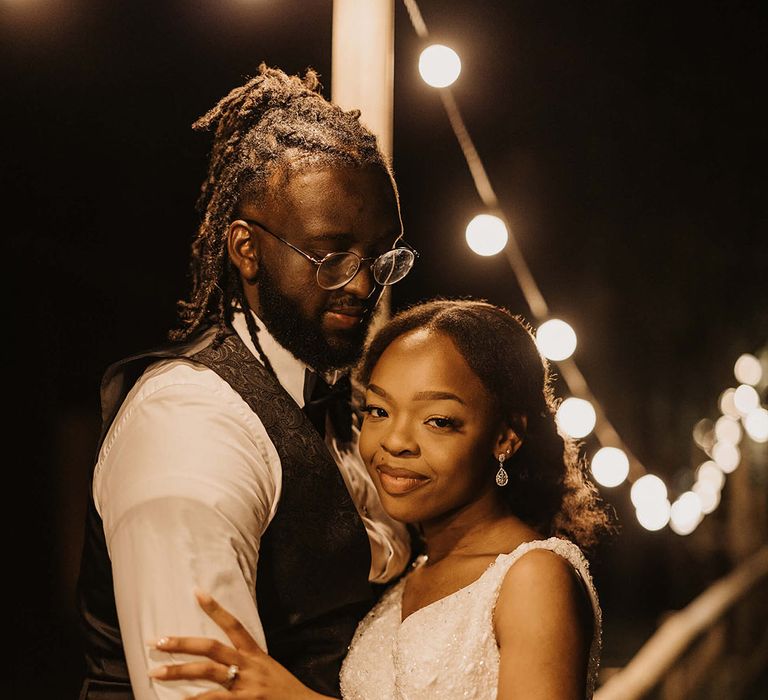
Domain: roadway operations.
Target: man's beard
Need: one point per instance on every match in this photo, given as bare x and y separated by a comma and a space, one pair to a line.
304, 337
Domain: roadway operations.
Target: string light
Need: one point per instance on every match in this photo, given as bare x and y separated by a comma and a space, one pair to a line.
756, 425
748, 370
555, 339
709, 473
487, 234
745, 398
728, 429
610, 466
577, 416
439, 65
685, 513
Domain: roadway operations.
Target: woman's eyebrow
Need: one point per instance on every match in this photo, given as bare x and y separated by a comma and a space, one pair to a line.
437, 396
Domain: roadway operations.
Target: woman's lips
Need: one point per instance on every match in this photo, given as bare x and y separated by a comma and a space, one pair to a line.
397, 482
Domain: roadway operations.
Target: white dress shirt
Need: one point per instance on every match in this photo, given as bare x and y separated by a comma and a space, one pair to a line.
186, 482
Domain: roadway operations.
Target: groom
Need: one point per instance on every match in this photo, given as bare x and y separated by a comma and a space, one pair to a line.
228, 459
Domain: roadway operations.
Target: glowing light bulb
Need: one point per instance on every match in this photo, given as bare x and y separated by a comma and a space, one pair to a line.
654, 515
647, 490
745, 398
727, 406
726, 456
487, 234
710, 474
576, 417
709, 495
748, 370
610, 466
439, 65
728, 429
704, 434
685, 514
555, 339
756, 424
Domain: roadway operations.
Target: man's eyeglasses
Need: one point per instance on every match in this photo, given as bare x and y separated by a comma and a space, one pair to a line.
337, 269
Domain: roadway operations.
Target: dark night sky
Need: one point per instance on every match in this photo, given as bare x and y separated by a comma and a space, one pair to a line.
626, 142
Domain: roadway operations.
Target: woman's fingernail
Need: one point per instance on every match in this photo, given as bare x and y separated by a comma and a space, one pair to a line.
203, 597
162, 642
159, 672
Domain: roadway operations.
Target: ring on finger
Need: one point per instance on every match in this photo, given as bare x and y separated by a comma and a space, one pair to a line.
232, 673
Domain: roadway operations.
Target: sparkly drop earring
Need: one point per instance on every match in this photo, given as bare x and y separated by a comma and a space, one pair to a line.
502, 478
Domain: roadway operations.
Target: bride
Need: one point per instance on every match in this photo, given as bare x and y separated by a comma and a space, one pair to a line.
460, 440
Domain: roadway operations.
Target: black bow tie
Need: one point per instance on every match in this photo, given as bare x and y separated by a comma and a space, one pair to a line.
321, 400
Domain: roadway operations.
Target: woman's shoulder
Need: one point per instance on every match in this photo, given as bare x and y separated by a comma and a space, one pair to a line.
550, 572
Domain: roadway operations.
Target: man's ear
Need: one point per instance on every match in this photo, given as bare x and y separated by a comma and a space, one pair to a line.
510, 438
243, 250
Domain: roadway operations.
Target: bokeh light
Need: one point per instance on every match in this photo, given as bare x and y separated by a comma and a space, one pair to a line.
610, 466
726, 455
685, 513
555, 339
439, 65
727, 405
654, 515
756, 424
704, 434
748, 370
728, 429
487, 234
709, 495
649, 489
709, 473
576, 417
746, 399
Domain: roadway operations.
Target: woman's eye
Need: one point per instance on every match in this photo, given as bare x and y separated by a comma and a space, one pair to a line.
374, 411
441, 422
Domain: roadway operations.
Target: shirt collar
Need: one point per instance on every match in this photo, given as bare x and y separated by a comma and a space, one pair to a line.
289, 369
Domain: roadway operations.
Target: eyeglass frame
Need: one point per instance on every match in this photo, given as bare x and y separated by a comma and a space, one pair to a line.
319, 261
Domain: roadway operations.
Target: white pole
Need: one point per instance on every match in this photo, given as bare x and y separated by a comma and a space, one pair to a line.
362, 63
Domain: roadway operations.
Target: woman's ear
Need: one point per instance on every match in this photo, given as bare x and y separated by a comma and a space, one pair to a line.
510, 438
243, 250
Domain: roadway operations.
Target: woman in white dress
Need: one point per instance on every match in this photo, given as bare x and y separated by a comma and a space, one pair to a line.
460, 440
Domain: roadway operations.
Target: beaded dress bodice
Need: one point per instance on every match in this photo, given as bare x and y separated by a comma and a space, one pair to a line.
446, 649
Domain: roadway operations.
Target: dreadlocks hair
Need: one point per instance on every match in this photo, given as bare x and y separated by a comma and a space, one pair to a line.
548, 487
271, 124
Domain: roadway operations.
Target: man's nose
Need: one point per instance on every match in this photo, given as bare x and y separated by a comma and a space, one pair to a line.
362, 285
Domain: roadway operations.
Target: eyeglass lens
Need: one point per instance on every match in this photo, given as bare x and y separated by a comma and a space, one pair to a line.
339, 268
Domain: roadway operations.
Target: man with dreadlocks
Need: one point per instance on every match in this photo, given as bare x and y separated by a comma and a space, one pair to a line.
228, 459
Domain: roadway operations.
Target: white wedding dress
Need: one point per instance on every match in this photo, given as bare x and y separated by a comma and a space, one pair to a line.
448, 649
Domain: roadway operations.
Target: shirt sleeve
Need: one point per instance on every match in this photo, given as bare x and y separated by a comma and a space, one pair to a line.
186, 483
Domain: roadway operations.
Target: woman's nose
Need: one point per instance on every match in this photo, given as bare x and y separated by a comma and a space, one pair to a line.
399, 440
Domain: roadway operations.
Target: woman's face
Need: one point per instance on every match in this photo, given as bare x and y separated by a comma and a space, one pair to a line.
430, 433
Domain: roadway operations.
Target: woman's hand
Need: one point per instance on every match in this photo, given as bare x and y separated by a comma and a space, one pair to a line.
245, 671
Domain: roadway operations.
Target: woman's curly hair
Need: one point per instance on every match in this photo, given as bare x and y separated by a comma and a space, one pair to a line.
548, 484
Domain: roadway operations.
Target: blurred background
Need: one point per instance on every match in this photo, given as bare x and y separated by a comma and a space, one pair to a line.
626, 143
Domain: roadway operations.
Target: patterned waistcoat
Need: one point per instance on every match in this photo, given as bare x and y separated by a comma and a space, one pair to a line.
312, 577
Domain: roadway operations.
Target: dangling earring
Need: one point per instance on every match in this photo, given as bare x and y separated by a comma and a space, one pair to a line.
502, 478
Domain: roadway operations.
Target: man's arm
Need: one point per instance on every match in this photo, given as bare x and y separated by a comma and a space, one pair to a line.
186, 485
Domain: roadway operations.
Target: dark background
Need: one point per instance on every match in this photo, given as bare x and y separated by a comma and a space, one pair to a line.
626, 141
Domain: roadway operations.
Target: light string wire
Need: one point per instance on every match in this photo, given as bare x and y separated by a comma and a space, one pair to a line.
604, 431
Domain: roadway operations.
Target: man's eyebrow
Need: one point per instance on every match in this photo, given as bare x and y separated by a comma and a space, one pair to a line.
344, 236
421, 395
330, 237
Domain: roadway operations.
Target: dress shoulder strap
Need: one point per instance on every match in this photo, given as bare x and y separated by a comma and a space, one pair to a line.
570, 552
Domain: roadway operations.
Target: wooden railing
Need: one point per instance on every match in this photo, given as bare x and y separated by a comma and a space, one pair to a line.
713, 648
